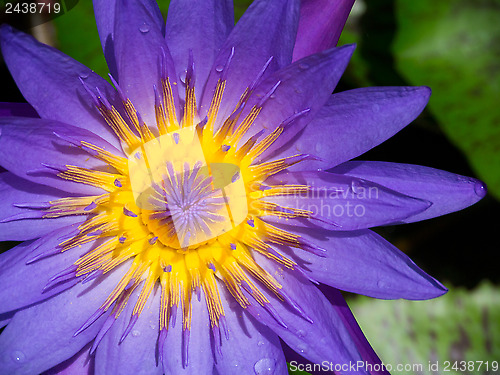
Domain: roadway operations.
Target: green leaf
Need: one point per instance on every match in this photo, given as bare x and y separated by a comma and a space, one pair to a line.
77, 37
296, 372
453, 47
460, 326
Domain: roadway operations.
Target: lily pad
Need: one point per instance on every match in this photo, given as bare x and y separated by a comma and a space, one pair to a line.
460, 326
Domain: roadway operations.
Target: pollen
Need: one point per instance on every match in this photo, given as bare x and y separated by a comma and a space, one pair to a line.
182, 207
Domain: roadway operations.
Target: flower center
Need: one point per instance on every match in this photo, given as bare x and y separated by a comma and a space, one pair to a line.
185, 200
183, 208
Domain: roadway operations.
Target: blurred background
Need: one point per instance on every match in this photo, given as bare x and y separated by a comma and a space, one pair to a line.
453, 46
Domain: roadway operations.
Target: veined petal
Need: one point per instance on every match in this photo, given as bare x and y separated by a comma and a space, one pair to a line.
17, 109
139, 47
42, 336
201, 27
23, 284
321, 23
6, 318
267, 29
306, 338
250, 346
135, 355
304, 85
447, 191
105, 19
15, 190
41, 144
342, 202
81, 363
363, 262
367, 353
353, 122
199, 347
50, 82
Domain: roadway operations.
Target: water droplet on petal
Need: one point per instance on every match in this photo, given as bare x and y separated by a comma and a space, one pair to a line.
381, 284
480, 188
136, 333
18, 356
84, 74
301, 333
182, 76
303, 66
301, 348
264, 366
354, 187
144, 28
260, 343
298, 91
219, 68
318, 147
375, 108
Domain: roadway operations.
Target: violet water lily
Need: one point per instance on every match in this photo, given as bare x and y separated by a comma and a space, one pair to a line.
177, 220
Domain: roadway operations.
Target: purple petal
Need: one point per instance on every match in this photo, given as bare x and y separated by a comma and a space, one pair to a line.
50, 82
250, 347
353, 122
305, 85
363, 262
6, 318
17, 109
136, 354
139, 43
17, 190
326, 339
200, 26
105, 18
343, 202
367, 353
81, 364
447, 191
23, 284
41, 336
200, 356
320, 25
26, 144
267, 29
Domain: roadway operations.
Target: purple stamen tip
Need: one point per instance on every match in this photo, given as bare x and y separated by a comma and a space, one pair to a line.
268, 94
97, 232
122, 239
118, 183
168, 268
251, 223
131, 324
212, 267
152, 241
90, 207
127, 212
226, 148
233, 246
235, 177
176, 138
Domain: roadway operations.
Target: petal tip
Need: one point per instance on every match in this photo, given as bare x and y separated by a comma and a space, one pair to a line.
480, 189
